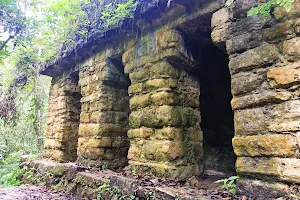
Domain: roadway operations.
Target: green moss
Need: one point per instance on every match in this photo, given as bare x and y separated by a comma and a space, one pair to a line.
57, 171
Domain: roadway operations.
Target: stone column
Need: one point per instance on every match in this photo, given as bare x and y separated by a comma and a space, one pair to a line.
63, 119
265, 68
165, 136
105, 109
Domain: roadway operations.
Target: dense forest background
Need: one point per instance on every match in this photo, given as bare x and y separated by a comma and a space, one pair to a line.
33, 32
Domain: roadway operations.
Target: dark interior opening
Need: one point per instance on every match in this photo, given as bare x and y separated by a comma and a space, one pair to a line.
75, 110
217, 116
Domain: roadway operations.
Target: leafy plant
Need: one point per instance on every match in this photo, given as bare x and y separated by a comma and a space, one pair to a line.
229, 183
10, 171
104, 167
294, 196
103, 189
113, 14
265, 8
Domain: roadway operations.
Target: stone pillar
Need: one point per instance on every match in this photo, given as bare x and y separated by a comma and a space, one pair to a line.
265, 68
165, 135
105, 109
63, 119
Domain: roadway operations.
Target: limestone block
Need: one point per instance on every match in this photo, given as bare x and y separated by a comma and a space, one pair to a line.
140, 133
57, 155
164, 116
297, 26
283, 169
160, 83
254, 100
281, 117
140, 101
158, 56
143, 117
220, 35
92, 130
168, 116
128, 56
254, 58
285, 116
166, 36
167, 170
242, 83
135, 88
120, 143
257, 166
84, 118
243, 42
246, 25
168, 133
194, 134
88, 130
165, 98
241, 7
85, 107
220, 17
266, 145
113, 117
103, 142
291, 49
163, 70
52, 144
140, 75
279, 32
162, 150
91, 153
284, 77
262, 190
135, 150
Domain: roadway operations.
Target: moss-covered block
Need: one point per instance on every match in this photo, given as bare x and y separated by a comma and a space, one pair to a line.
162, 151
266, 145
163, 70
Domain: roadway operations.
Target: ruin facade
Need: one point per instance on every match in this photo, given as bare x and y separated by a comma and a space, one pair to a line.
198, 86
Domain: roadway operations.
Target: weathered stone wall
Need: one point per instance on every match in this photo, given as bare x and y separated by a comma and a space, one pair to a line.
105, 109
165, 134
63, 119
265, 69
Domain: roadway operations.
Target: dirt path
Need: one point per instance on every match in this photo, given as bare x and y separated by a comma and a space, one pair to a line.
31, 192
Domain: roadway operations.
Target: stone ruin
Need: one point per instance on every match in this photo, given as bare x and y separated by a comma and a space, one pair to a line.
198, 86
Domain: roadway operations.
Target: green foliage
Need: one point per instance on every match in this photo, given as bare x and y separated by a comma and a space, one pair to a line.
294, 196
104, 167
103, 189
265, 8
229, 2
112, 192
113, 14
10, 171
229, 183
28, 174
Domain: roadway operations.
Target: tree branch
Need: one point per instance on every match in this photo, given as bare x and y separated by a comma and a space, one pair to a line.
6, 41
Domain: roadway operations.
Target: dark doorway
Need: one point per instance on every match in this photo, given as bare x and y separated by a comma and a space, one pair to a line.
217, 116
73, 104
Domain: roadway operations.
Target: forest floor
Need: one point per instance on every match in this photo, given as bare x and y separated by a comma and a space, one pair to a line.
31, 192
